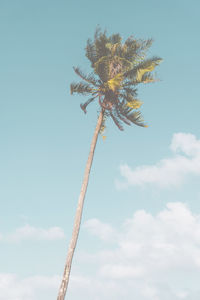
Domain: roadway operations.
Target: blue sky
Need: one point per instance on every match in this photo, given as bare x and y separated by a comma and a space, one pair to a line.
45, 138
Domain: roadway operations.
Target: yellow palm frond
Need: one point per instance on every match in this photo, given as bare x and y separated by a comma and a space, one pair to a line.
135, 104
116, 82
149, 68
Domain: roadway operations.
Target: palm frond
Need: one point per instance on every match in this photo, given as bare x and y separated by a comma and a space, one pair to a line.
122, 118
124, 109
115, 38
116, 82
132, 49
129, 83
90, 52
88, 78
138, 71
133, 116
116, 49
101, 68
136, 49
130, 101
126, 65
145, 45
81, 88
148, 78
100, 42
97, 32
84, 105
116, 121
136, 118
130, 90
126, 96
147, 66
135, 104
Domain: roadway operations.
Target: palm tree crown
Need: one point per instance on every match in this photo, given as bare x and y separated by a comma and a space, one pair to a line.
117, 70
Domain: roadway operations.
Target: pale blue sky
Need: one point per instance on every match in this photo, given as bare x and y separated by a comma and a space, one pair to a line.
45, 136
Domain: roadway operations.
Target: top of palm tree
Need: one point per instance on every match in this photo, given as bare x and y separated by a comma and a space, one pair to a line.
117, 70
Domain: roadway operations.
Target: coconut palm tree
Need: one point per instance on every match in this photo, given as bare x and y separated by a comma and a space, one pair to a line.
117, 70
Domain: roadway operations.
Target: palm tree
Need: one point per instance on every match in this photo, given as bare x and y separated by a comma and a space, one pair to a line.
117, 70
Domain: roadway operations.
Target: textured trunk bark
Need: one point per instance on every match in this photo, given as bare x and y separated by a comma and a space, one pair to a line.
77, 221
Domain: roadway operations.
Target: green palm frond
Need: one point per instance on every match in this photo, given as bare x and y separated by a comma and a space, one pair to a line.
132, 49
115, 38
122, 118
116, 49
130, 90
124, 109
136, 118
115, 83
125, 63
98, 33
129, 83
116, 121
81, 88
100, 42
135, 104
146, 67
113, 47
90, 52
88, 78
133, 116
138, 71
84, 105
101, 68
130, 101
126, 97
148, 78
145, 45
132, 44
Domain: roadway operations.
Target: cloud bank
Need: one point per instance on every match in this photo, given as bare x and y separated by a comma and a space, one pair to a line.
31, 288
168, 172
151, 257
101, 230
154, 257
32, 233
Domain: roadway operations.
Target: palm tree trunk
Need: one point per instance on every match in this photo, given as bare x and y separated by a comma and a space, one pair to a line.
77, 221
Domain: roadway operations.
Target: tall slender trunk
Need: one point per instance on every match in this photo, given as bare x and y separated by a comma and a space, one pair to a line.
78, 216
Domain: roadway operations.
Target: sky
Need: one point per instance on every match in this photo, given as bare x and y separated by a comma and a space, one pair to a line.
140, 234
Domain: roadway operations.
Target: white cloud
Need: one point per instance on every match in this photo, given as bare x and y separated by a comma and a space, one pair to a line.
29, 232
102, 230
153, 258
121, 271
31, 288
170, 171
